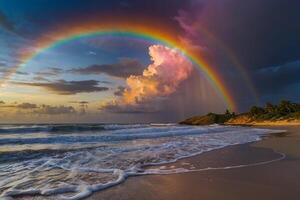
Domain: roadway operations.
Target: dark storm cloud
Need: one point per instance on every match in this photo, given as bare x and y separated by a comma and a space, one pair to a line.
63, 87
6, 23
123, 69
277, 78
39, 16
267, 33
252, 35
260, 33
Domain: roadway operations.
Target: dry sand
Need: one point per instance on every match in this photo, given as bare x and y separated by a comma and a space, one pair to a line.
272, 181
245, 120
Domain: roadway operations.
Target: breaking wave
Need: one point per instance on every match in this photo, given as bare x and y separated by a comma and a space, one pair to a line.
73, 161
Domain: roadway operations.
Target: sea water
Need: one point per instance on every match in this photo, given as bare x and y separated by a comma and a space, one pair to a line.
71, 161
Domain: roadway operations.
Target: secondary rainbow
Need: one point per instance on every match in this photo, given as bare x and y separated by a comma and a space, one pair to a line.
56, 38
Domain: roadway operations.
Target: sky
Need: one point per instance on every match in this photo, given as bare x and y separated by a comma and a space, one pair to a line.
132, 61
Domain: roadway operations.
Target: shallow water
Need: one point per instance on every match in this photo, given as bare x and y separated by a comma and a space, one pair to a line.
73, 161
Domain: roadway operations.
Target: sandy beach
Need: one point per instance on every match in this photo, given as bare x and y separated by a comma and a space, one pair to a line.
270, 180
267, 170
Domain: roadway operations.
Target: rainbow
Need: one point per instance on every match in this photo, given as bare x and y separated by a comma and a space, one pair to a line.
145, 32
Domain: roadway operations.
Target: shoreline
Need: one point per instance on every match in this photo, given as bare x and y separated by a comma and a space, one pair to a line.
227, 159
158, 186
285, 123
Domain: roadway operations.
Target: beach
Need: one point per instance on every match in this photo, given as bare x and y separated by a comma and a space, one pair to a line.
181, 162
272, 180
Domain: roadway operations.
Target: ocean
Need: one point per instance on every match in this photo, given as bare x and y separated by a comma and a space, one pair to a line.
71, 161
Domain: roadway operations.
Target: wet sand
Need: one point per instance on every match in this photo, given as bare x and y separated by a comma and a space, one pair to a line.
274, 180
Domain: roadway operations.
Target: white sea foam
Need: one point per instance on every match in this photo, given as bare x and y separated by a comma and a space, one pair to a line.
107, 156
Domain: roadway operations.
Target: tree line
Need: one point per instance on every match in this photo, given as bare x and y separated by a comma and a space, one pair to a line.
285, 109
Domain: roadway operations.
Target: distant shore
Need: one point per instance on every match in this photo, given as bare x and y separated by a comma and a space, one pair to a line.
270, 181
239, 120
285, 113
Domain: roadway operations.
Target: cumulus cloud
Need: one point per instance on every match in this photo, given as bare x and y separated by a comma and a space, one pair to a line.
158, 81
123, 69
63, 87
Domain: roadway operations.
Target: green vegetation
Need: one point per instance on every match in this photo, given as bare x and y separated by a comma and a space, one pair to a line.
210, 118
284, 110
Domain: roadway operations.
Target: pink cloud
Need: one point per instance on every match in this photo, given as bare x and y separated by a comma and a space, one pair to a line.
159, 80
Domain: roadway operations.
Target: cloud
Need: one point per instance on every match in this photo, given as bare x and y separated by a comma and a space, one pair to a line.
277, 78
55, 110
258, 37
40, 78
80, 102
31, 108
139, 108
52, 71
83, 105
123, 69
92, 53
63, 87
120, 90
27, 106
238, 47
19, 106
6, 23
158, 81
21, 73
5, 70
189, 22
3, 63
